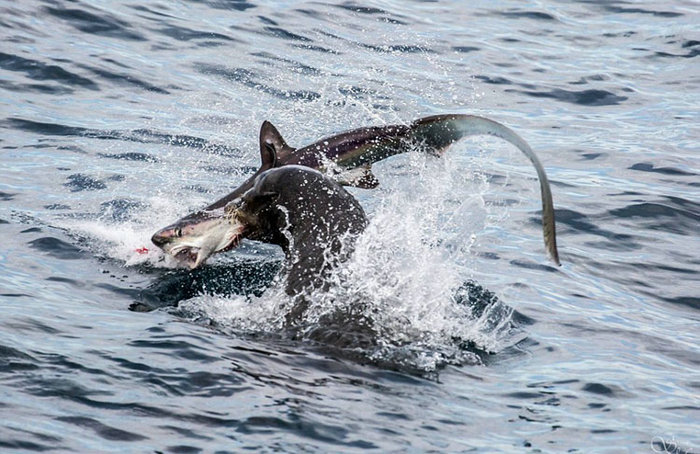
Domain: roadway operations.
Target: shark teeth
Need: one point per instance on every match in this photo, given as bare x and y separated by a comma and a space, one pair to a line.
186, 254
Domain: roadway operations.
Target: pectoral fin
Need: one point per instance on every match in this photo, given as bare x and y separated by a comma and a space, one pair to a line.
359, 177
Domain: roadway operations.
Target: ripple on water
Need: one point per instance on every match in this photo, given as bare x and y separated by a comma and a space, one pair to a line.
123, 79
649, 167
674, 215
140, 108
37, 70
103, 24
79, 182
248, 78
131, 156
136, 135
102, 430
592, 97
58, 248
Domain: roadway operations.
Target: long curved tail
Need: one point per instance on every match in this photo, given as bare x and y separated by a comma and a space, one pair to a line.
441, 131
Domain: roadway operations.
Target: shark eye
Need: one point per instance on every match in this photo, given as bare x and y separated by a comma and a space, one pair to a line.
178, 232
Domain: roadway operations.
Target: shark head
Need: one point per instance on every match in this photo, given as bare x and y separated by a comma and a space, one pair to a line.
193, 239
196, 237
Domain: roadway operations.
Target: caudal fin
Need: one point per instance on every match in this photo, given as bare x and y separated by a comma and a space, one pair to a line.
440, 131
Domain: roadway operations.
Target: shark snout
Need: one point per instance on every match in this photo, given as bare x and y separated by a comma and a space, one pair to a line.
162, 237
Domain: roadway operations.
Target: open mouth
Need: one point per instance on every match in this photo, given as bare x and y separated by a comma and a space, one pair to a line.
187, 255
231, 245
191, 241
193, 256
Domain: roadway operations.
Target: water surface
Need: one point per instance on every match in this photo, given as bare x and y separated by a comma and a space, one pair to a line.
119, 117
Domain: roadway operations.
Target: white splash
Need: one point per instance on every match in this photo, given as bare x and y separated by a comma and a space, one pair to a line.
129, 241
246, 314
405, 274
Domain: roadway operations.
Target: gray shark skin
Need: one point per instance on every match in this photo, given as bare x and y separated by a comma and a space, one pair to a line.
346, 158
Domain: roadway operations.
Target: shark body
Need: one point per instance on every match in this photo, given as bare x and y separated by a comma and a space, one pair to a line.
345, 158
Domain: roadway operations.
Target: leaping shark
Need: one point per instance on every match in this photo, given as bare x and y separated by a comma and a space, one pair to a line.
347, 159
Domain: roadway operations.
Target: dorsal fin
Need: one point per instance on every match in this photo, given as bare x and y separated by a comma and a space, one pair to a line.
272, 145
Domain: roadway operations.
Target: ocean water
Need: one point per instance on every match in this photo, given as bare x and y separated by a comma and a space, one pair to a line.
119, 117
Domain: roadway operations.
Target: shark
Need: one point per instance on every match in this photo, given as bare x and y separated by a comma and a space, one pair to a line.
345, 158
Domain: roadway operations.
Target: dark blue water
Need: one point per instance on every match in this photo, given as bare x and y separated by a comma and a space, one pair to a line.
119, 117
